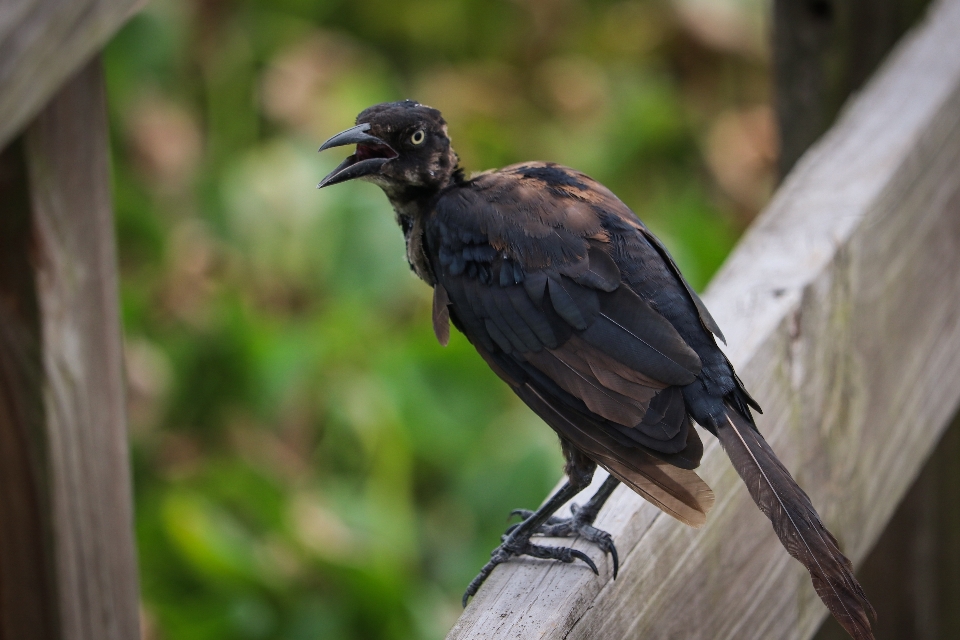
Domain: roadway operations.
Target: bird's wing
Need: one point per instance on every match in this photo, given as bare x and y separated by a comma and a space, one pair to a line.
705, 318
557, 201
525, 264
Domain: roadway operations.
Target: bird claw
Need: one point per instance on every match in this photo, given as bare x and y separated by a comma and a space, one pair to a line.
524, 548
569, 527
581, 524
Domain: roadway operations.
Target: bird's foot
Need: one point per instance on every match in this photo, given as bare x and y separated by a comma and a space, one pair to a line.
580, 524
516, 542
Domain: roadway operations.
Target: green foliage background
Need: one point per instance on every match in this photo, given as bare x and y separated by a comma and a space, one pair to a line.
309, 463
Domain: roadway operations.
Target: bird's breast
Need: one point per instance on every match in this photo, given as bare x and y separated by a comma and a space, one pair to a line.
416, 250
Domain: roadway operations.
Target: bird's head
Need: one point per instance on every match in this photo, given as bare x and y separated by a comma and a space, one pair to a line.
401, 146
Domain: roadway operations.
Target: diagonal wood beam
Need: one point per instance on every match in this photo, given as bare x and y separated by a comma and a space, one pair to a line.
45, 42
842, 310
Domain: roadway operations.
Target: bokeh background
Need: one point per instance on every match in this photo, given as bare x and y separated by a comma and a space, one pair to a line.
309, 462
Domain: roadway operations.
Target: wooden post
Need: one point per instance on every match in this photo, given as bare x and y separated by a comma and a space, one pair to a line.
824, 50
67, 560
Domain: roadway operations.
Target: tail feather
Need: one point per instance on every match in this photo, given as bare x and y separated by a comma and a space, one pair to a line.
678, 492
797, 524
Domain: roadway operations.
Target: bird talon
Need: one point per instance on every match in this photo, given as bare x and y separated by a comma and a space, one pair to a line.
582, 556
580, 525
615, 559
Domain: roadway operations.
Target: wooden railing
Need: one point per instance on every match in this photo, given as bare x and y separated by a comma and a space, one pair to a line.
841, 307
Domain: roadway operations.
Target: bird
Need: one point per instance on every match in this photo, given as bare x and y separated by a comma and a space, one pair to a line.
582, 311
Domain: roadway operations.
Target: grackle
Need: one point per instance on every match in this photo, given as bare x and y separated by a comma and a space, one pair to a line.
581, 310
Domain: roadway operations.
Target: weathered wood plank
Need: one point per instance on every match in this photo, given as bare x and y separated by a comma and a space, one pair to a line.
44, 42
61, 386
842, 309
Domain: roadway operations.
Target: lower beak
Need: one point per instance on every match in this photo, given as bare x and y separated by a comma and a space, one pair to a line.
372, 153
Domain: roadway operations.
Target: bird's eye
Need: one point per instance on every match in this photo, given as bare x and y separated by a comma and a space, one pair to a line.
418, 137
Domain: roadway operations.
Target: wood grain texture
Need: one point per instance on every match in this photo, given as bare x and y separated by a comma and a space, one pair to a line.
81, 433
44, 42
842, 309
28, 604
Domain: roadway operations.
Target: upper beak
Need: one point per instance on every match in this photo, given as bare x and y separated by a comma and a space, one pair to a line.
372, 153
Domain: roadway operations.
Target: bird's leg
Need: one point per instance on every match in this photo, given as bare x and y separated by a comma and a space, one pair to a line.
581, 524
516, 541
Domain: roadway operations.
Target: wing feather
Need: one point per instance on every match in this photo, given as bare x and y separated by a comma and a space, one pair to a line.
679, 492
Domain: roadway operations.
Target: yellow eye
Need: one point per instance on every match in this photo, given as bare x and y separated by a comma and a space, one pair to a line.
418, 137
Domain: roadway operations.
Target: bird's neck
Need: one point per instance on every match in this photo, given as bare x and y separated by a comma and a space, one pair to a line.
413, 205
411, 215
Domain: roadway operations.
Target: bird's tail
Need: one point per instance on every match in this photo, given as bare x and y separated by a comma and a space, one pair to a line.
797, 523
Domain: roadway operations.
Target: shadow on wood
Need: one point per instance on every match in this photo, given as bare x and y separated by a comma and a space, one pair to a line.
913, 573
28, 605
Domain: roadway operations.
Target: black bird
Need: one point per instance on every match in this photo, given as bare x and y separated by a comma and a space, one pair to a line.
581, 310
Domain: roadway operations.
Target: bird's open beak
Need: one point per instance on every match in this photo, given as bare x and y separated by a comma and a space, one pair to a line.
371, 154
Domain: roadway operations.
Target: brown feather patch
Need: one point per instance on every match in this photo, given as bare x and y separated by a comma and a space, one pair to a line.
680, 493
441, 314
